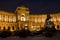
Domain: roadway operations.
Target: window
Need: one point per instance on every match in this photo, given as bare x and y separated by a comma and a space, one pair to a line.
35, 19
57, 26
4, 28
23, 19
25, 27
8, 27
14, 19
39, 19
13, 27
2, 17
8, 18
5, 19
43, 20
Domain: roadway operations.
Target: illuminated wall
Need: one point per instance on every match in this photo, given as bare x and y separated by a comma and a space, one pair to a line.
35, 22
7, 20
21, 18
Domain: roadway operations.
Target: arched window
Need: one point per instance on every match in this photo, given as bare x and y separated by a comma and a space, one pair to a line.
5, 18
57, 26
13, 27
4, 28
35, 19
8, 19
23, 17
14, 18
8, 27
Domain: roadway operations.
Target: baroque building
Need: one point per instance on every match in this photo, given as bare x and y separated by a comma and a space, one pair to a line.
22, 19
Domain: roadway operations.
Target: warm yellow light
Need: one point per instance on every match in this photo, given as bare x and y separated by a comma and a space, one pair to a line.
13, 20
23, 19
9, 20
26, 25
0, 18
58, 19
35, 19
32, 26
43, 20
38, 26
39, 20
5, 19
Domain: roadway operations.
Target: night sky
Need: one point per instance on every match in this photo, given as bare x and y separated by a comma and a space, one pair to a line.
35, 6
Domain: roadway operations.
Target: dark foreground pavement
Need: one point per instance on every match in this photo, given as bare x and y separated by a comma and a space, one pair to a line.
37, 37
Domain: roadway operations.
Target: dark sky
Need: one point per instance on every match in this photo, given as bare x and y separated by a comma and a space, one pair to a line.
35, 6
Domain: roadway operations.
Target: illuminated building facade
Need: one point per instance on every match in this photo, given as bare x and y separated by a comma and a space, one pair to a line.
22, 19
